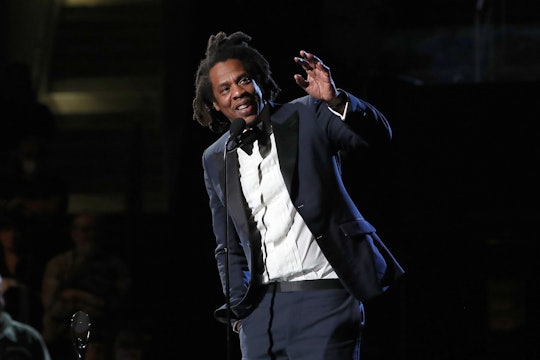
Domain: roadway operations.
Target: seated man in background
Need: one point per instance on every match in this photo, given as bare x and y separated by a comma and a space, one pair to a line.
84, 278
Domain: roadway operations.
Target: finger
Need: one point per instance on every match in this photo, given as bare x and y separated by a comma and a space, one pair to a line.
301, 81
315, 61
311, 58
307, 57
304, 63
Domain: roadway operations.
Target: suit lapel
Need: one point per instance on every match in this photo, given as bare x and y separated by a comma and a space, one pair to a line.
231, 188
286, 136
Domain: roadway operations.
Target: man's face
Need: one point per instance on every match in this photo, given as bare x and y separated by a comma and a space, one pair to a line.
236, 92
83, 230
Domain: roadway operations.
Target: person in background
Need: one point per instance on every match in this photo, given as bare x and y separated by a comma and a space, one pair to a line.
22, 112
21, 271
37, 195
30, 185
295, 256
84, 278
19, 341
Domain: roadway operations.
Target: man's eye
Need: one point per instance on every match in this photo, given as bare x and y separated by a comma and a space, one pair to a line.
245, 80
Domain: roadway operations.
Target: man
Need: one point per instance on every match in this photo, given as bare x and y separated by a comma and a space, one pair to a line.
19, 341
295, 256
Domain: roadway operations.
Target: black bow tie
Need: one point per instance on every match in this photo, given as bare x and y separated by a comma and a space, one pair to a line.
249, 136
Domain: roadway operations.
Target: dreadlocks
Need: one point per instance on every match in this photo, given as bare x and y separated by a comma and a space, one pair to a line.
221, 48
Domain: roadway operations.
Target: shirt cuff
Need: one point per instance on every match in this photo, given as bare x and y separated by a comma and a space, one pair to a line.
342, 116
345, 108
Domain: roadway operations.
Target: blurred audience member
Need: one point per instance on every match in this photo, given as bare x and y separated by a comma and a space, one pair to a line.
21, 272
22, 113
19, 341
37, 195
31, 187
85, 278
27, 184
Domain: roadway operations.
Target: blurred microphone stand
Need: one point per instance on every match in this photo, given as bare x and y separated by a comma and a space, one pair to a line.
80, 333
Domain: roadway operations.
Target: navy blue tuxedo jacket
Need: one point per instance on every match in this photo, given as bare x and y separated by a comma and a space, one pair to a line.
309, 138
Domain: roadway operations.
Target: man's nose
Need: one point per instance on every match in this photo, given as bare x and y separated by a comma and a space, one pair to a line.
238, 90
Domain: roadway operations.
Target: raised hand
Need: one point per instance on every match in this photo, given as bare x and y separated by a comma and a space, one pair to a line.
319, 83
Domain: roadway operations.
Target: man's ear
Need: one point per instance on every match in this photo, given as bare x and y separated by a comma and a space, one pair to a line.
215, 106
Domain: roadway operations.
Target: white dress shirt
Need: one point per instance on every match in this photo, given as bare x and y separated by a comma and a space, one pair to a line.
290, 251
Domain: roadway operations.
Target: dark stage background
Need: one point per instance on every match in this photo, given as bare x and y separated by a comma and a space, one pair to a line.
454, 197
